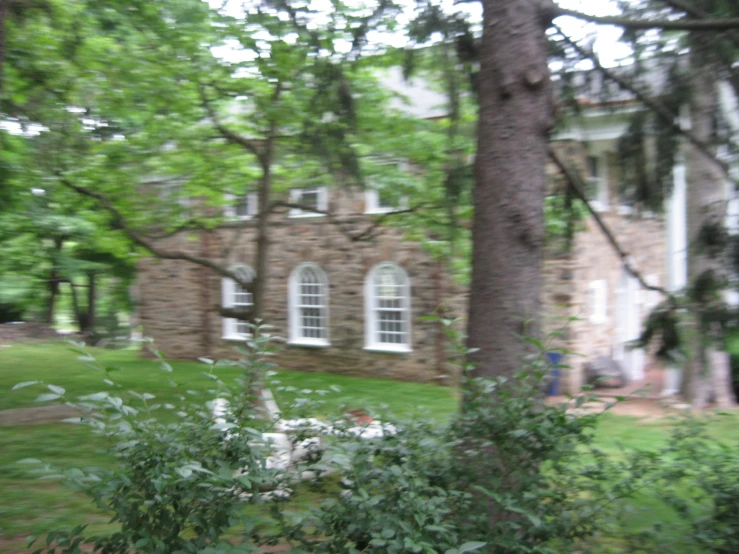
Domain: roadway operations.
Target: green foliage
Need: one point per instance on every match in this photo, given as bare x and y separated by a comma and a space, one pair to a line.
506, 475
696, 477
181, 478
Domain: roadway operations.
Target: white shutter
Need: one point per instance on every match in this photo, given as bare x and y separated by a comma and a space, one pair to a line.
252, 200
322, 199
229, 210
598, 291
228, 288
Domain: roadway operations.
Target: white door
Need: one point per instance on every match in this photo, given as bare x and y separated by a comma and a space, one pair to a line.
628, 326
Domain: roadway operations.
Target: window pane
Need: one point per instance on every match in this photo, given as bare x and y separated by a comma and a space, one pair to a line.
243, 298
390, 306
311, 305
309, 198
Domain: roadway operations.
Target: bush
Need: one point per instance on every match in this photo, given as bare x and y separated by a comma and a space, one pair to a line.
507, 475
11, 311
181, 479
696, 477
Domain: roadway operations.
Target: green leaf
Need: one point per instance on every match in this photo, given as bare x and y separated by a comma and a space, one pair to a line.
25, 384
29, 461
471, 546
56, 389
47, 397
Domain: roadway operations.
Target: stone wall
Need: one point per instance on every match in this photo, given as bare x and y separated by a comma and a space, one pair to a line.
179, 302
172, 293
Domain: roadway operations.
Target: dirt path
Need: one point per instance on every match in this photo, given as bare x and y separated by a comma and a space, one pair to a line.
51, 413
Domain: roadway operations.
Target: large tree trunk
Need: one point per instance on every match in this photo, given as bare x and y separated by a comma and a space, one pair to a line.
508, 228
706, 375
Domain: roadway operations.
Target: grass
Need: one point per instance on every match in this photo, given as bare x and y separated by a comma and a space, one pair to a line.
54, 363
32, 506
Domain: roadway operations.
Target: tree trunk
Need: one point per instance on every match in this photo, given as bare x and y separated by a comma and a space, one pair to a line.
508, 227
54, 278
91, 301
78, 315
260, 280
706, 376
51, 300
4, 4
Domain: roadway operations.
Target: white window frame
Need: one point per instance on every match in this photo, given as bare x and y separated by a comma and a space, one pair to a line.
228, 300
372, 204
296, 196
598, 176
372, 196
252, 206
371, 309
598, 301
295, 307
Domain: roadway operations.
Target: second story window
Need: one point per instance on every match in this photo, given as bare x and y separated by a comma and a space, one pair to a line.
313, 201
241, 207
381, 196
377, 202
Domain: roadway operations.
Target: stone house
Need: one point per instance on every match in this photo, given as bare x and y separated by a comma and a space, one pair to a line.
357, 307
344, 306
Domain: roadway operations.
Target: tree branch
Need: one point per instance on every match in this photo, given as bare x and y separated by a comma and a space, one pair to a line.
577, 186
655, 105
144, 242
232, 137
665, 24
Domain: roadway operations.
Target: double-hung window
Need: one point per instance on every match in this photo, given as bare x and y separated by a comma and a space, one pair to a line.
243, 206
313, 202
380, 196
387, 309
308, 306
235, 296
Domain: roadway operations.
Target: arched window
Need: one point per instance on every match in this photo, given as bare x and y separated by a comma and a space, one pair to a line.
233, 295
308, 306
387, 309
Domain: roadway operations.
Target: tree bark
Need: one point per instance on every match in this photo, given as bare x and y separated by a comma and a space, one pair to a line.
516, 104
91, 301
4, 5
706, 377
262, 254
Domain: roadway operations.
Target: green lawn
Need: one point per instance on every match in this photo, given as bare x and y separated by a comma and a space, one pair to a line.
30, 506
54, 363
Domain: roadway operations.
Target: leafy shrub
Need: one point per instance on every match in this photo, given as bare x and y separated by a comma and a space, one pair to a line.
507, 475
11, 311
696, 477
181, 479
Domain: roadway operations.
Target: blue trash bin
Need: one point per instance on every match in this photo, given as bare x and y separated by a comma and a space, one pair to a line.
554, 358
